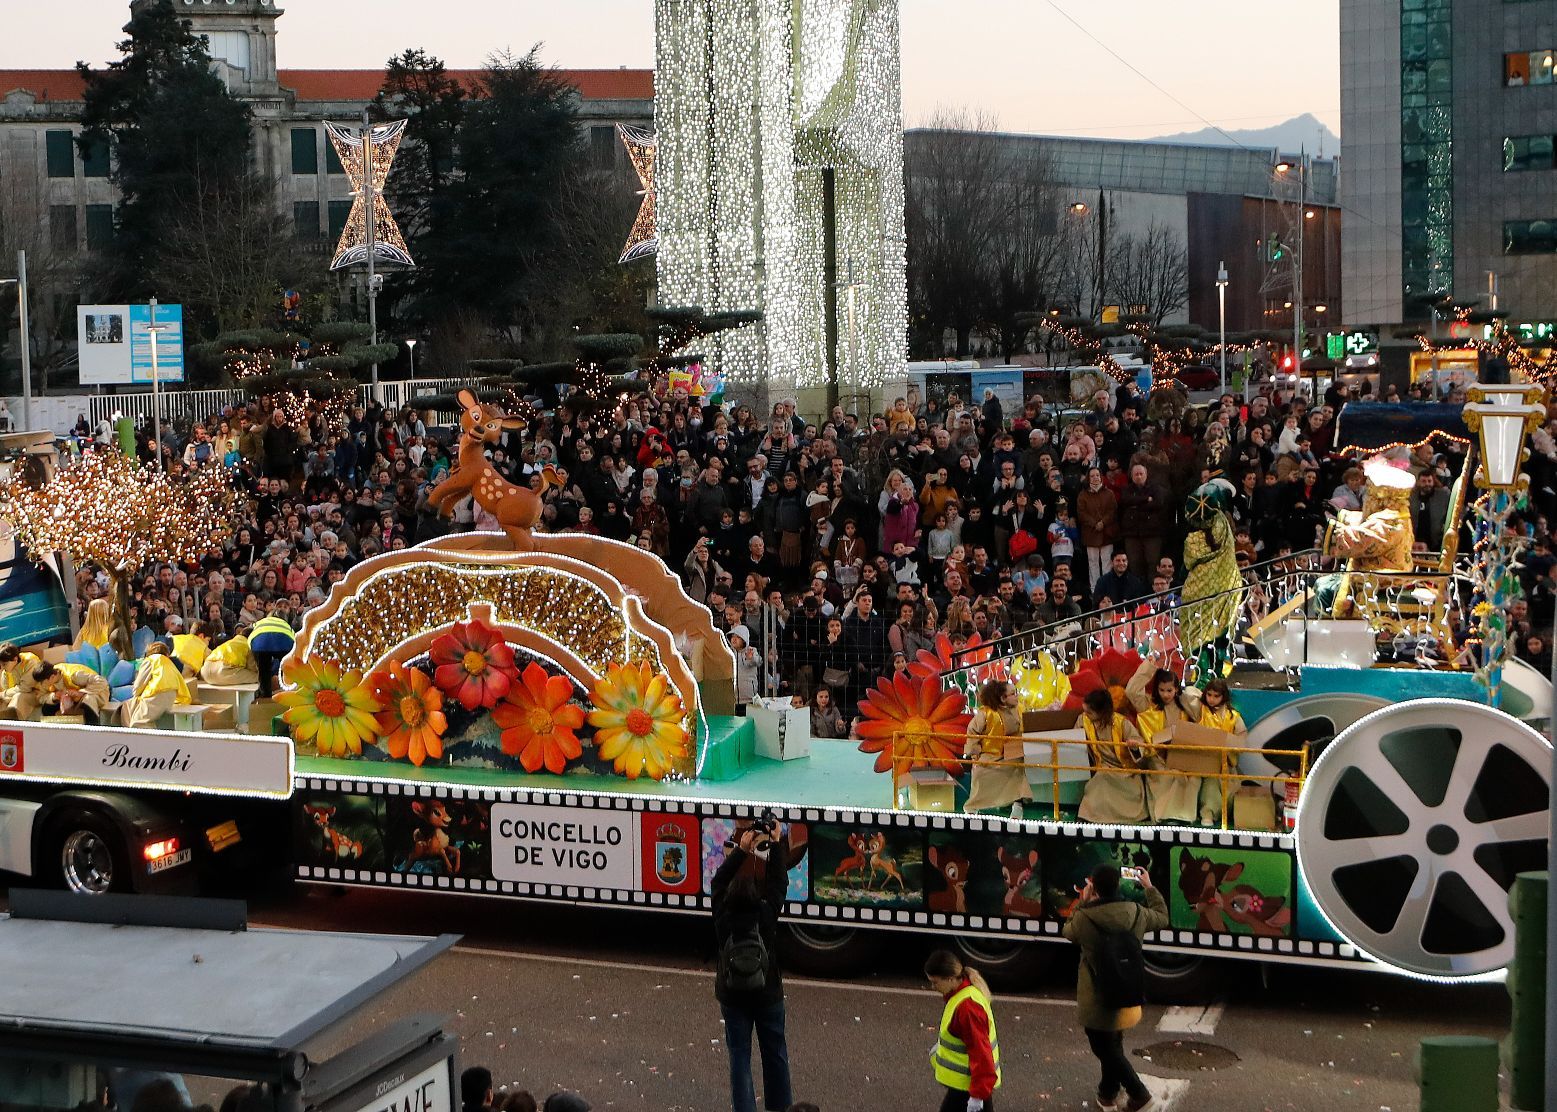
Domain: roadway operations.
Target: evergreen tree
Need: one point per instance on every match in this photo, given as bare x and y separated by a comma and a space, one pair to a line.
418, 89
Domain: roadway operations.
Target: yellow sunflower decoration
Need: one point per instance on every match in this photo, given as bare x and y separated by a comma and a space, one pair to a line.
1040, 683
637, 721
333, 709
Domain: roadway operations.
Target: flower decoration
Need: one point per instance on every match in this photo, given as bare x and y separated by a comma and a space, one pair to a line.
331, 708
637, 720
472, 663
1145, 630
538, 720
1110, 671
1040, 684
412, 721
931, 664
914, 723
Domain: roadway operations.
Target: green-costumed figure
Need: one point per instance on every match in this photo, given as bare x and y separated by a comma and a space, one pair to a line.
1212, 591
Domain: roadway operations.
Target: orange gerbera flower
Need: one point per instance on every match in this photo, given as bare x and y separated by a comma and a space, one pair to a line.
412, 721
1110, 671
638, 722
473, 664
914, 723
538, 720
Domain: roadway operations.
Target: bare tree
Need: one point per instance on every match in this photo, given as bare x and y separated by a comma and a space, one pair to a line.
951, 171
1150, 273
1026, 261
55, 279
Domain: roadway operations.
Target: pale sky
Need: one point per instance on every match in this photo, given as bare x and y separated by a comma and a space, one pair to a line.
1237, 63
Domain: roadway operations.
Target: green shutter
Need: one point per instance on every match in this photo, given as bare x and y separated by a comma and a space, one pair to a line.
305, 150
99, 227
94, 163
305, 219
339, 211
62, 154
332, 161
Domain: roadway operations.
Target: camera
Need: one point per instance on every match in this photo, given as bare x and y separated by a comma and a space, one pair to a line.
768, 824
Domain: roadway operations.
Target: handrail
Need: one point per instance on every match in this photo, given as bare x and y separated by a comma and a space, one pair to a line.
1145, 750
1013, 644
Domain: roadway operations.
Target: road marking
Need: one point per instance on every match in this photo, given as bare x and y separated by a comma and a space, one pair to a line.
641, 967
1169, 1091
1201, 1020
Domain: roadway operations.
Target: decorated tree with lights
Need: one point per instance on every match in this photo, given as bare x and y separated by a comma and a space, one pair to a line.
106, 510
296, 371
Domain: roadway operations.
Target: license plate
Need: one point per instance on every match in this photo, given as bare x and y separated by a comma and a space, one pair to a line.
171, 861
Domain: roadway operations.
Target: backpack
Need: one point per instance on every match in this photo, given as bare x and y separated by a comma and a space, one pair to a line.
743, 961
1119, 967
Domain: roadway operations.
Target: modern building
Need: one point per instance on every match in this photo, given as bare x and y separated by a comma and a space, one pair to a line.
1448, 119
44, 177
1216, 203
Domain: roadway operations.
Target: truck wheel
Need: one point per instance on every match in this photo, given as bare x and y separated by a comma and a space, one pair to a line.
825, 950
1006, 962
89, 855
1181, 978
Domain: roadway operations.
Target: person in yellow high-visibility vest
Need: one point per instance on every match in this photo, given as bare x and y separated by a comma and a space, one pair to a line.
190, 649
159, 687
270, 640
231, 663
966, 1057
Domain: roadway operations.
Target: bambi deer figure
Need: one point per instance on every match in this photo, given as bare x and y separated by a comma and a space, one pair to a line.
516, 508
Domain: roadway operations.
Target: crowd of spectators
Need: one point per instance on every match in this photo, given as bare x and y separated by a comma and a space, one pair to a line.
831, 551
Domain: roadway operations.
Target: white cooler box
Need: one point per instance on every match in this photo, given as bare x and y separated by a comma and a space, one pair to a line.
783, 732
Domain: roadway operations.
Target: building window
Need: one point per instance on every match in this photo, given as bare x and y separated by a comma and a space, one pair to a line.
1530, 237
1426, 149
62, 227
602, 147
99, 227
94, 161
305, 150
1535, 67
339, 212
61, 146
1529, 152
332, 161
305, 219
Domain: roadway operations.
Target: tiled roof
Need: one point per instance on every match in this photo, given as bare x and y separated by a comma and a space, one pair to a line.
348, 85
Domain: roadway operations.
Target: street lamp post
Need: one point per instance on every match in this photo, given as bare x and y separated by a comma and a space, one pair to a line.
26, 336
411, 347
1297, 268
1221, 305
370, 218
152, 329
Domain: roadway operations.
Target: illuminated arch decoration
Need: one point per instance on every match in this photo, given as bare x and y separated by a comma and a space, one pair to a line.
643, 240
779, 129
368, 181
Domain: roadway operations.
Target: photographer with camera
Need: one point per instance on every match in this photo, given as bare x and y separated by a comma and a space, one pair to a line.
748, 894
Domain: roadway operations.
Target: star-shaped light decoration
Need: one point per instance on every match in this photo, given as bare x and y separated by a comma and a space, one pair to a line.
388, 244
640, 145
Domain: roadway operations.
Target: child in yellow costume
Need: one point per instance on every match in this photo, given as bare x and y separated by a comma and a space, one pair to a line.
72, 688
1162, 702
190, 649
1116, 792
998, 782
14, 665
231, 663
1217, 713
159, 687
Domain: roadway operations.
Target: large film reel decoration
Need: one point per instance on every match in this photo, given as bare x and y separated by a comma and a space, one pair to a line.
1311, 720
1412, 827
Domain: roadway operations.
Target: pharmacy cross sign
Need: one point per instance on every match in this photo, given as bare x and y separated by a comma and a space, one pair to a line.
366, 157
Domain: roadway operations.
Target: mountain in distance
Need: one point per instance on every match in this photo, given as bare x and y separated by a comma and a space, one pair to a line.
1299, 133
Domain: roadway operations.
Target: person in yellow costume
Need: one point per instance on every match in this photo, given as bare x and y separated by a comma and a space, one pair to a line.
14, 665
1116, 792
1217, 713
998, 781
1377, 538
231, 664
72, 688
1162, 702
159, 687
190, 649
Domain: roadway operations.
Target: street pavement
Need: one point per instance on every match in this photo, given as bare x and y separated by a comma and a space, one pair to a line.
619, 1006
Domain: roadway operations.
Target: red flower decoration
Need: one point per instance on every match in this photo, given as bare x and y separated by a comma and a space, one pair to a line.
472, 663
1110, 672
917, 721
929, 665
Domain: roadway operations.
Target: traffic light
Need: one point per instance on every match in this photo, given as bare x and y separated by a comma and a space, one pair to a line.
1278, 250
1286, 362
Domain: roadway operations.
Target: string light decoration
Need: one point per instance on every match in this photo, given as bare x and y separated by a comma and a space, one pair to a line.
640, 143
761, 116
1498, 343
103, 509
388, 244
